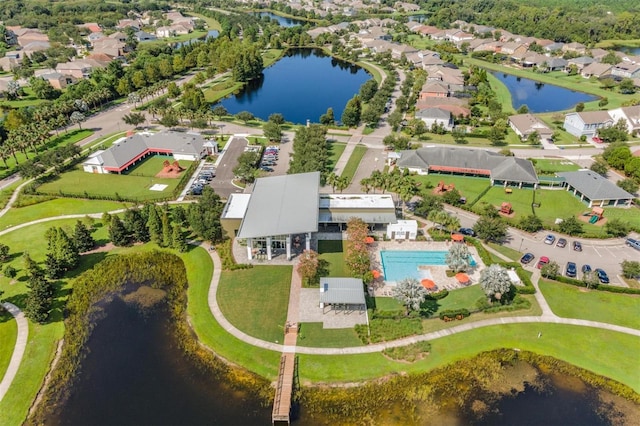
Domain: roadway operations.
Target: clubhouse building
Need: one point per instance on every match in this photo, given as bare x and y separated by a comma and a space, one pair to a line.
594, 190
501, 170
129, 151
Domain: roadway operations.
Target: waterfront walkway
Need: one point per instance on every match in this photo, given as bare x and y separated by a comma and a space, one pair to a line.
18, 349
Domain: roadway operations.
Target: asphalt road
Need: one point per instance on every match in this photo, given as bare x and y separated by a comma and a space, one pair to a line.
222, 183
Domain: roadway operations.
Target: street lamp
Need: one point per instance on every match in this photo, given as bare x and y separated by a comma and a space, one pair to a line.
521, 241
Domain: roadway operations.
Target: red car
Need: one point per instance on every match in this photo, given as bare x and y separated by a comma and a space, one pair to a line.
543, 261
597, 139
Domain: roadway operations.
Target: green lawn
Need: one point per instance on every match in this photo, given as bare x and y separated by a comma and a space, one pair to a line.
8, 336
354, 161
520, 200
503, 96
576, 302
153, 165
313, 335
461, 298
255, 300
57, 207
78, 182
506, 251
559, 204
545, 166
469, 187
332, 251
335, 151
601, 351
6, 193
630, 215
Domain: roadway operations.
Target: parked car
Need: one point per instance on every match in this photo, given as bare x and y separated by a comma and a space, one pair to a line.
562, 243
467, 231
633, 243
527, 258
549, 239
266, 169
586, 268
571, 270
602, 276
196, 190
577, 246
543, 261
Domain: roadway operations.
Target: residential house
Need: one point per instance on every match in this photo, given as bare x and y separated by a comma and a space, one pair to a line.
8, 64
94, 37
580, 62
596, 69
598, 54
526, 124
30, 35
436, 116
553, 47
57, 80
428, 30
512, 48
461, 37
94, 27
144, 36
119, 36
78, 69
626, 70
125, 23
398, 49
35, 46
532, 59
164, 32
586, 123
629, 114
487, 46
434, 89
406, 7
556, 64
574, 47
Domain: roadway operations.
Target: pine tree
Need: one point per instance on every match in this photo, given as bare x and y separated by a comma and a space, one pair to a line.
62, 253
166, 230
118, 233
155, 225
82, 237
178, 241
40, 296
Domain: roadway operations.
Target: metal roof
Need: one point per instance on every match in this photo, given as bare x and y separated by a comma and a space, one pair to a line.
236, 206
282, 205
594, 186
326, 216
348, 291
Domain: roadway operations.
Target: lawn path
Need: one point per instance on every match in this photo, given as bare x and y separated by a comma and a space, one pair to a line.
18, 350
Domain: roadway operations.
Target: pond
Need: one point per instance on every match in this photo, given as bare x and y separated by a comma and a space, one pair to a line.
210, 34
631, 50
282, 20
300, 86
540, 97
134, 373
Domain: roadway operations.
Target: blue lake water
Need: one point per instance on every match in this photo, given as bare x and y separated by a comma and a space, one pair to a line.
210, 34
300, 86
540, 97
283, 21
630, 50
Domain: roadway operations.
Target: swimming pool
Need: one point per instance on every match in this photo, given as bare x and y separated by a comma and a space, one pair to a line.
400, 264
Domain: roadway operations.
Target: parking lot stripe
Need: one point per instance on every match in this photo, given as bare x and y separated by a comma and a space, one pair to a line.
597, 251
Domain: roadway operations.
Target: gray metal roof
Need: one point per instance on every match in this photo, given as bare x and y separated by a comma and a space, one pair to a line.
594, 186
500, 167
348, 291
282, 205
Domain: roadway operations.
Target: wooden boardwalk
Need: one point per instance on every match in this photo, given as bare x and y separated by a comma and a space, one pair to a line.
286, 378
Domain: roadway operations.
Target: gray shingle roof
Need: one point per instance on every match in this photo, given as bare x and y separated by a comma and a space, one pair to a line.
282, 205
436, 113
499, 166
342, 290
594, 186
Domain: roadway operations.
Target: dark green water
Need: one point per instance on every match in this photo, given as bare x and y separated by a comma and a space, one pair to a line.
135, 374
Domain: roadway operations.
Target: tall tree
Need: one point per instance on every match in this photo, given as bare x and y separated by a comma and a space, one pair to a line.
495, 282
457, 258
82, 238
410, 293
40, 296
308, 266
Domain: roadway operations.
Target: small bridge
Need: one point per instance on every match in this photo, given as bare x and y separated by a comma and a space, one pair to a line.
287, 378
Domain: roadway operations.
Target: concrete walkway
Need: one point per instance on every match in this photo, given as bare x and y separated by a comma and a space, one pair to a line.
18, 349
548, 317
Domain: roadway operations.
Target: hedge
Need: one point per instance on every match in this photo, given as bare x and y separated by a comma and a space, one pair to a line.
225, 251
601, 287
451, 314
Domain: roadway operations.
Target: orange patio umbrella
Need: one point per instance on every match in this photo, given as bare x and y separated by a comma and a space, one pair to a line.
428, 284
369, 240
457, 237
376, 274
462, 277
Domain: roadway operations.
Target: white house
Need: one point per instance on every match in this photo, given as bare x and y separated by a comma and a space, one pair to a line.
526, 124
586, 123
432, 116
402, 230
629, 114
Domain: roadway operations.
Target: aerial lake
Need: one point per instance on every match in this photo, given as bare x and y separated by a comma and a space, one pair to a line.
283, 21
540, 97
134, 373
300, 86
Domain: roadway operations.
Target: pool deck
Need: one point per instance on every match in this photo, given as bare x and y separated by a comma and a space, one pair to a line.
381, 288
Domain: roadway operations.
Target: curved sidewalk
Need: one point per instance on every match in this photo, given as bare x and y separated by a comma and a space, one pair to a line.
548, 318
18, 349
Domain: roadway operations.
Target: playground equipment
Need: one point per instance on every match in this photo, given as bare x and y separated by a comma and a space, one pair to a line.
505, 208
596, 214
442, 187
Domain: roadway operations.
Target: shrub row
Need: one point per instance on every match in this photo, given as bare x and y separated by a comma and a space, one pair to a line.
438, 295
225, 251
517, 304
451, 314
601, 287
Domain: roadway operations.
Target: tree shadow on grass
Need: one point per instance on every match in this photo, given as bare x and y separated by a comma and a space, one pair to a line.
87, 261
429, 307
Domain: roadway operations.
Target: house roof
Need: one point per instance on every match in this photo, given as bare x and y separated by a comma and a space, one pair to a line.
349, 291
499, 167
434, 113
596, 68
236, 206
529, 123
594, 117
282, 205
435, 87
594, 186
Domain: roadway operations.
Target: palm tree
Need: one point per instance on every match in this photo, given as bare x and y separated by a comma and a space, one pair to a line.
365, 185
410, 293
458, 258
77, 117
495, 282
332, 180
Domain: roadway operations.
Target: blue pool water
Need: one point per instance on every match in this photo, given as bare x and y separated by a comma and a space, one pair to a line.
400, 264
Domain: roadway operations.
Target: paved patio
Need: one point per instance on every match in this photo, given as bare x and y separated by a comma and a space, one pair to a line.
310, 311
438, 273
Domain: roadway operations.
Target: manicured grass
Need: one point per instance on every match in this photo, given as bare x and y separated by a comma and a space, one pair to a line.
211, 334
630, 215
255, 300
57, 207
548, 166
153, 165
576, 302
221, 89
461, 298
469, 187
335, 151
507, 251
29, 99
354, 161
6, 193
313, 335
8, 336
601, 351
503, 96
387, 304
520, 200
78, 182
271, 56
558, 204
333, 252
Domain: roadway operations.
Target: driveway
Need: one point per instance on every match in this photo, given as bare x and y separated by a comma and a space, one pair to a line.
221, 184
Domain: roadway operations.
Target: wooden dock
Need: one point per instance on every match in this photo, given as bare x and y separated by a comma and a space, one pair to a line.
286, 379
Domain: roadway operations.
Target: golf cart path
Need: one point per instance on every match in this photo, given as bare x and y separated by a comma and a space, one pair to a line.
18, 349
